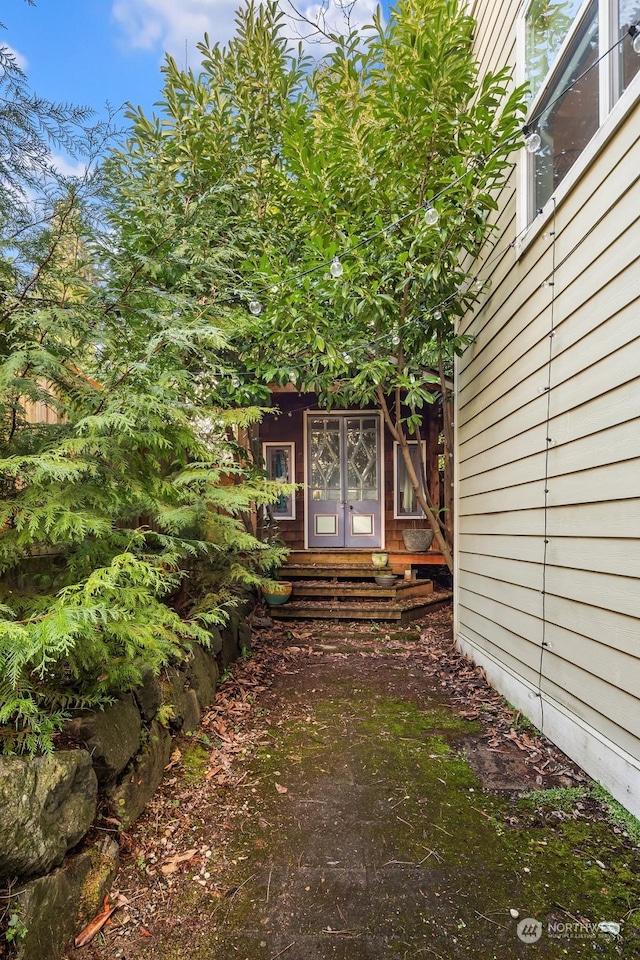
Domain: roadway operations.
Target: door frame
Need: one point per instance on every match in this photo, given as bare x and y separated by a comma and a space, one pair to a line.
381, 465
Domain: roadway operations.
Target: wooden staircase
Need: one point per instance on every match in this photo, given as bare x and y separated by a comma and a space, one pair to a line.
340, 585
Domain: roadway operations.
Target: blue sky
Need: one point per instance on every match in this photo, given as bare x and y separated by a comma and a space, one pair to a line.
92, 51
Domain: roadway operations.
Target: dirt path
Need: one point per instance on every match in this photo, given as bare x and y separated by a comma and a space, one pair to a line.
368, 804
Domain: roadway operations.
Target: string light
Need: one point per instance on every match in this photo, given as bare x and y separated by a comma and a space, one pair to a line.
532, 143
532, 140
431, 215
336, 269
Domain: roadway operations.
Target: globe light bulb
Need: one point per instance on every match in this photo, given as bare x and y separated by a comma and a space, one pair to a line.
255, 307
431, 215
532, 141
636, 41
336, 269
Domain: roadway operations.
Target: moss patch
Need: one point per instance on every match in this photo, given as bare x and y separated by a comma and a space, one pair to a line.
195, 759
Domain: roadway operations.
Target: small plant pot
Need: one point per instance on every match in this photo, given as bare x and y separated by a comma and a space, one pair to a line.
379, 560
417, 541
277, 592
385, 580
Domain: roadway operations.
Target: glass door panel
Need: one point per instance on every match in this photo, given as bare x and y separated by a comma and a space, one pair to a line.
326, 509
362, 513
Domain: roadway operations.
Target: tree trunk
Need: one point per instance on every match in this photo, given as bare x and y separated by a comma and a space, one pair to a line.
422, 494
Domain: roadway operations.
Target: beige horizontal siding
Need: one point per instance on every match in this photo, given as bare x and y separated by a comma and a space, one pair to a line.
616, 444
581, 491
593, 417
572, 382
587, 486
599, 696
599, 210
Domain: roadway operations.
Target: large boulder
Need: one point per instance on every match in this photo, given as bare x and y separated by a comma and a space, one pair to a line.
244, 637
216, 641
230, 648
203, 676
112, 736
54, 909
185, 712
46, 806
130, 797
148, 695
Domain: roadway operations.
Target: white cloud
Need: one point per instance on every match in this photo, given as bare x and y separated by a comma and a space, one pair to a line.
67, 166
166, 24
20, 59
330, 16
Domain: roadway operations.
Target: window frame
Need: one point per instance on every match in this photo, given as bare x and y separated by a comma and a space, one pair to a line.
613, 110
290, 445
397, 452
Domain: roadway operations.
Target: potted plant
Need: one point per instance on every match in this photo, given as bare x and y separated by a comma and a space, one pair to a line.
417, 539
276, 592
379, 560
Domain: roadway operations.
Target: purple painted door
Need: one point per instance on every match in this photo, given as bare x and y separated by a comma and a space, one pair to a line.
344, 490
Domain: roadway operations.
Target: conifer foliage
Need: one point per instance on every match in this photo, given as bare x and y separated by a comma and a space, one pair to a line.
121, 483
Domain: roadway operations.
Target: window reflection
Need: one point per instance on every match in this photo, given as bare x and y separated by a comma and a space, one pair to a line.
566, 128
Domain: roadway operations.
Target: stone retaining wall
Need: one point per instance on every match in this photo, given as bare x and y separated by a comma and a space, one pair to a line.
56, 862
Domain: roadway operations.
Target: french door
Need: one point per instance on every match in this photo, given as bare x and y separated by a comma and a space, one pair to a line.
344, 489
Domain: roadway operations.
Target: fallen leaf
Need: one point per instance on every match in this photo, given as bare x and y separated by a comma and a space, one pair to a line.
95, 926
281, 789
171, 865
176, 757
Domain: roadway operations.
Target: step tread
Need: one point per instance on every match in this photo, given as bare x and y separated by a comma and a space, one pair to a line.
363, 610
402, 588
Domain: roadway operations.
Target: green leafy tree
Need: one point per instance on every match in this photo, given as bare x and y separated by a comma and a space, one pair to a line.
209, 164
390, 121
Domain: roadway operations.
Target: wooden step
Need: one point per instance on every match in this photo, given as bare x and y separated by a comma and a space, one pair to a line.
332, 571
359, 609
401, 590
399, 560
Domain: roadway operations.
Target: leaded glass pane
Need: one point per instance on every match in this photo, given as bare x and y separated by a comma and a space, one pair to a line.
362, 458
325, 459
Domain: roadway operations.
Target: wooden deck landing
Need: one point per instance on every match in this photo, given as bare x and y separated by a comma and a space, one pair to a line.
348, 560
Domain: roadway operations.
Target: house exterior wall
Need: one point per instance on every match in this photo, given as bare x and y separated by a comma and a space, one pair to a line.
548, 492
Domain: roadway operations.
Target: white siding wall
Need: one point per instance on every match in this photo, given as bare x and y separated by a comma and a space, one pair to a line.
589, 615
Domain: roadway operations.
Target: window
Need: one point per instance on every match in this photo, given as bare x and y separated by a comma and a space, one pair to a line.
563, 39
628, 63
279, 459
405, 501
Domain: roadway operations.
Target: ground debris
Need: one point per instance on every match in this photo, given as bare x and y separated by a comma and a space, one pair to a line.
181, 860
